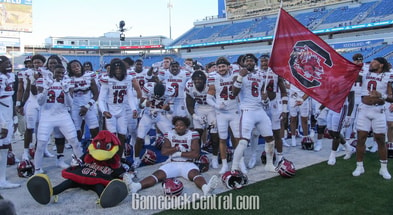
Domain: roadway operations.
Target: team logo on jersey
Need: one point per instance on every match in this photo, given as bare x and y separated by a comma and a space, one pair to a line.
308, 62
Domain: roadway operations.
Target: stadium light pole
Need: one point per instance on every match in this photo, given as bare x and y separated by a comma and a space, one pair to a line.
170, 5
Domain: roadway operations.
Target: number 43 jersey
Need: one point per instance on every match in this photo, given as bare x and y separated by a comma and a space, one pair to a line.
223, 86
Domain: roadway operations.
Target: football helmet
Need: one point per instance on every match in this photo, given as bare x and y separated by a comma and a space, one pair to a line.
389, 145
229, 155
286, 168
25, 169
234, 179
203, 163
149, 157
263, 157
159, 142
172, 187
307, 143
10, 158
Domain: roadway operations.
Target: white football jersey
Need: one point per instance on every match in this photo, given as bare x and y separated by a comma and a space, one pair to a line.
177, 82
157, 103
376, 81
199, 97
223, 86
82, 91
181, 140
250, 93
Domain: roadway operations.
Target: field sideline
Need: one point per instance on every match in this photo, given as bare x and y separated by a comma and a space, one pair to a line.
311, 191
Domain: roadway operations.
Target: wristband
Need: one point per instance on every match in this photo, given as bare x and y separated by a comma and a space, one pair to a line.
87, 105
284, 98
285, 108
18, 103
176, 154
384, 96
239, 78
237, 84
15, 120
143, 104
92, 102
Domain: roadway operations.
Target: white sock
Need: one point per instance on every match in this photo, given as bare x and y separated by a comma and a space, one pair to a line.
238, 154
3, 164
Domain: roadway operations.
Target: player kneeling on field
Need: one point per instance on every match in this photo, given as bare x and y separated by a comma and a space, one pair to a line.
101, 159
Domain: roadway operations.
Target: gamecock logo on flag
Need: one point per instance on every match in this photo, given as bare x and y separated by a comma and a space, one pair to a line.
309, 63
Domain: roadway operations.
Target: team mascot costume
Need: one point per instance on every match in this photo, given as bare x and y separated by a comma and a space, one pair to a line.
100, 171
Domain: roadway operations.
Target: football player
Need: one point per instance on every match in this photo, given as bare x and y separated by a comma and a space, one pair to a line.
115, 95
277, 107
376, 90
7, 79
335, 123
31, 108
226, 105
298, 104
249, 86
156, 100
177, 79
54, 97
85, 95
203, 115
182, 147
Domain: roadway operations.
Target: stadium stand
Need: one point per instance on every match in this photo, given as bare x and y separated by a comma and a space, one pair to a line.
209, 39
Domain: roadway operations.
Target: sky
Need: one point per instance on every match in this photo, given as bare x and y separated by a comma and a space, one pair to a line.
93, 18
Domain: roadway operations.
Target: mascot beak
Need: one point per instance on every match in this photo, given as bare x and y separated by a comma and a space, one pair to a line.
102, 155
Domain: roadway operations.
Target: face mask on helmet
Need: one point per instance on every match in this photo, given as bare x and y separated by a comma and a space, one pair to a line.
307, 143
203, 163
172, 187
25, 169
149, 157
234, 179
286, 168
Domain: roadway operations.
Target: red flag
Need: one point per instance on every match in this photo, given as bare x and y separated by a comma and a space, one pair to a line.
309, 63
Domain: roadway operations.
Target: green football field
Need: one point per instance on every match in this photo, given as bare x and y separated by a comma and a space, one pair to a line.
318, 189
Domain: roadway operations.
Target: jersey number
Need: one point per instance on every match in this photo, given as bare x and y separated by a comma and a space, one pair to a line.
371, 85
226, 93
52, 97
118, 96
255, 89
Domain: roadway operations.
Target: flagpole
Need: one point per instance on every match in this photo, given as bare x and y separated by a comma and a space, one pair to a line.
275, 27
